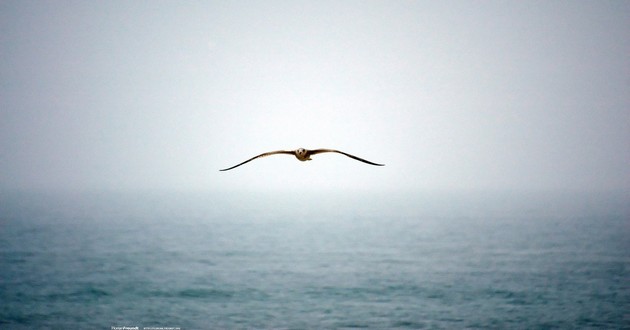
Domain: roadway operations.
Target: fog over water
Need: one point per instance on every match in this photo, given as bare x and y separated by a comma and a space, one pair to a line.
450, 95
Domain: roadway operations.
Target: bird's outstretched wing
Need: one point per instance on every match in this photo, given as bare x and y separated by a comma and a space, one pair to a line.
259, 156
319, 151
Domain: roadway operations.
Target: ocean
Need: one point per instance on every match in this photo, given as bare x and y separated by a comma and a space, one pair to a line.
256, 261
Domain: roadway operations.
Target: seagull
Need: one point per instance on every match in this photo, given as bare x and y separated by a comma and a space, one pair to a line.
302, 155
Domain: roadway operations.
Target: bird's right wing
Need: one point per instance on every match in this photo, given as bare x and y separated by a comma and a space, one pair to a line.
259, 156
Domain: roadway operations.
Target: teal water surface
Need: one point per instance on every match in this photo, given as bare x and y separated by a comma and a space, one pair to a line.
99, 263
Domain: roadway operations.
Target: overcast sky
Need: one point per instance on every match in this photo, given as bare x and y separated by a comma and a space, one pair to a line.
448, 94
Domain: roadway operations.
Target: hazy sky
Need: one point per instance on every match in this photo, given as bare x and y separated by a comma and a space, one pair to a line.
448, 94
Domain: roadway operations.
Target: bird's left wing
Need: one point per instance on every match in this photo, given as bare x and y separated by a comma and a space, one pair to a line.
319, 151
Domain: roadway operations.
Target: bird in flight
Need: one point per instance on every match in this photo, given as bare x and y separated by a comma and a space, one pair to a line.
302, 155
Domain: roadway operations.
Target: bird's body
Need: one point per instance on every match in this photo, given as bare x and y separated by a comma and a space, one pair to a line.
303, 155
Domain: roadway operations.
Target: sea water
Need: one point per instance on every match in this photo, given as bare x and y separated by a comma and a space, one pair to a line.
94, 261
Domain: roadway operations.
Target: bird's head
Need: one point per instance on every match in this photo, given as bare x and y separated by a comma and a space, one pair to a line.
302, 154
